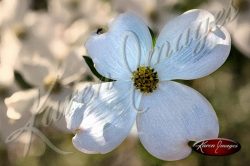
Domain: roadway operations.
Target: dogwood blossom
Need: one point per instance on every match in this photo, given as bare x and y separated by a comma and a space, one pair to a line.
239, 28
43, 59
168, 114
12, 14
48, 79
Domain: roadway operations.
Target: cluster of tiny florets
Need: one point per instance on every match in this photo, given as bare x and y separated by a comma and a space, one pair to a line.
145, 79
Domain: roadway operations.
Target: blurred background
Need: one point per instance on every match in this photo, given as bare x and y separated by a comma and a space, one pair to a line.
41, 46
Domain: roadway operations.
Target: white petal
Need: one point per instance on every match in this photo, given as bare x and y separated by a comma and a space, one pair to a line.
75, 108
107, 49
13, 10
7, 77
176, 114
237, 21
241, 36
9, 50
107, 115
73, 67
191, 46
7, 127
20, 102
34, 69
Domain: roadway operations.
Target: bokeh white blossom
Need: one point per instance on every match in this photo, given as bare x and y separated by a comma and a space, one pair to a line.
37, 36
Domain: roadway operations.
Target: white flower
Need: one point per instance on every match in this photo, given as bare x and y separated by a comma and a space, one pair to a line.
33, 44
235, 15
94, 11
168, 114
44, 73
12, 13
239, 28
43, 58
52, 87
9, 50
7, 126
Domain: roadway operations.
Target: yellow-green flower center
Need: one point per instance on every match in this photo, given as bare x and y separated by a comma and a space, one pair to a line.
145, 79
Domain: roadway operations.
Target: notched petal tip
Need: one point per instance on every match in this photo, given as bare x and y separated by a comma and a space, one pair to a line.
203, 46
127, 32
74, 115
78, 145
167, 127
222, 33
100, 31
105, 120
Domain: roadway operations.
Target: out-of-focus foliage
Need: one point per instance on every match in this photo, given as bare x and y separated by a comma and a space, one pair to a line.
36, 34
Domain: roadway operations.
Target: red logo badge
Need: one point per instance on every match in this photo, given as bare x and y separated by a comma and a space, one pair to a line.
216, 147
